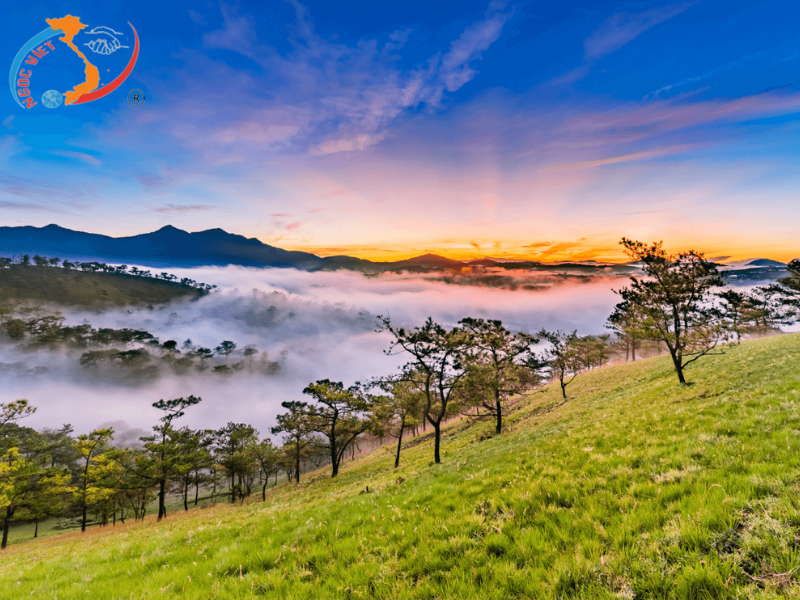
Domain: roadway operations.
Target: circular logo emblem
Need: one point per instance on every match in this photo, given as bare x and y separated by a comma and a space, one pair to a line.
72, 63
136, 97
52, 99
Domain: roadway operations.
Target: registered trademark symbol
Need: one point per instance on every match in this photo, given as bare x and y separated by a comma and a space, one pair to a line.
136, 97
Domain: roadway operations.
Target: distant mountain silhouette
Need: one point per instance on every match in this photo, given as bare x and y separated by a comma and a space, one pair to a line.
169, 246
173, 247
765, 262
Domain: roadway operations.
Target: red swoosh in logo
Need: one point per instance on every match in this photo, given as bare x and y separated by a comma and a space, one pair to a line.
107, 89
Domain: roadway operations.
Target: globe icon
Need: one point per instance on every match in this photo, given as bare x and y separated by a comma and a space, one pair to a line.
52, 99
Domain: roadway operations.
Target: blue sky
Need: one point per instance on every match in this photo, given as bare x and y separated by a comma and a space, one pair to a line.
386, 129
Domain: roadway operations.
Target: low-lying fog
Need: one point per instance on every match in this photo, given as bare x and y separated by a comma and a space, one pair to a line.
316, 325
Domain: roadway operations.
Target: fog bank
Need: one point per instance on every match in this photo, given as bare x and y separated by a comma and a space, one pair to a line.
315, 325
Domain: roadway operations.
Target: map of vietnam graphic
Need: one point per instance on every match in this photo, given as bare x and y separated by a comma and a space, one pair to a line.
71, 26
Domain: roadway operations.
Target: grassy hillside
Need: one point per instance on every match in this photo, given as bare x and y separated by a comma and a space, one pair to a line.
635, 488
78, 288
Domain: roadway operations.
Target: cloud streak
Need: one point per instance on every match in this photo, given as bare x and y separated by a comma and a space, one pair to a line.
623, 27
336, 97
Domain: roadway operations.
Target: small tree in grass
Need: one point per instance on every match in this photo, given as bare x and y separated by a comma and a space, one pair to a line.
437, 354
268, 458
675, 301
233, 447
562, 357
88, 493
339, 416
403, 405
295, 426
496, 362
163, 460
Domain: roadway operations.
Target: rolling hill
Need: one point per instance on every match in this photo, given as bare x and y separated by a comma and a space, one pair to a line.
636, 487
67, 287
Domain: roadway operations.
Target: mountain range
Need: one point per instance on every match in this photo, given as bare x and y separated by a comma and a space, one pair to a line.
173, 247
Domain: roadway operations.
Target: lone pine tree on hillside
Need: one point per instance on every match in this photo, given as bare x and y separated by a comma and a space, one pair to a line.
89, 446
164, 459
562, 357
674, 302
496, 362
268, 458
340, 415
233, 447
403, 405
295, 427
437, 353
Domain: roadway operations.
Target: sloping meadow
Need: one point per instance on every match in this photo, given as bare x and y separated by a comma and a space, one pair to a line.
636, 487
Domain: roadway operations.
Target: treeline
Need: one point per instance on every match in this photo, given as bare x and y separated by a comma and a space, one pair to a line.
135, 353
473, 369
51, 473
94, 267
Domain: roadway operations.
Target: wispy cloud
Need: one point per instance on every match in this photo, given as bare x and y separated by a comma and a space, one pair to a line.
182, 208
620, 28
29, 206
82, 156
237, 34
786, 53
334, 97
655, 153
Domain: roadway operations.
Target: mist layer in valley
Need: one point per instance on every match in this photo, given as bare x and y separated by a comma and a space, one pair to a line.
306, 326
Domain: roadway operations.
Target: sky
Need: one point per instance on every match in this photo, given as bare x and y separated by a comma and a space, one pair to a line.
383, 130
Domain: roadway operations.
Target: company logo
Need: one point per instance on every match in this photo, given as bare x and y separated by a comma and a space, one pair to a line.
71, 63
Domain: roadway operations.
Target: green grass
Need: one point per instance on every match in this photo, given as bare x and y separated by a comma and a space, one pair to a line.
635, 488
77, 288
24, 531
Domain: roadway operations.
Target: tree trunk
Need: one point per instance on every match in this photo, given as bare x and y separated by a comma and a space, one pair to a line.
334, 454
9, 513
563, 387
399, 443
162, 509
297, 462
196, 489
437, 427
36, 528
186, 494
681, 378
499, 408
83, 515
677, 362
